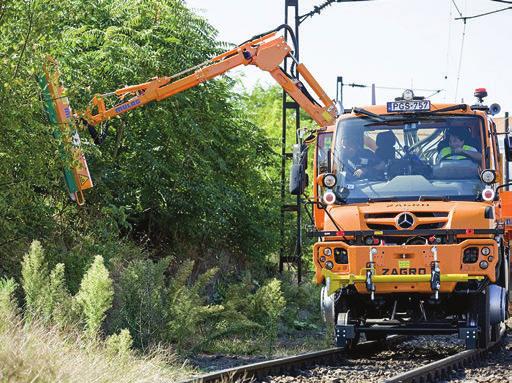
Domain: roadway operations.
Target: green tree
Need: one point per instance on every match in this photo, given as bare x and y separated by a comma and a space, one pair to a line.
188, 170
95, 295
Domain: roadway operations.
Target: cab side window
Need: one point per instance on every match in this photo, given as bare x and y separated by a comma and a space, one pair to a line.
322, 154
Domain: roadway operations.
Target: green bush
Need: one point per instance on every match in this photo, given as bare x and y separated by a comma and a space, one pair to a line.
141, 301
35, 280
302, 311
8, 304
95, 295
60, 302
189, 316
269, 305
46, 296
119, 344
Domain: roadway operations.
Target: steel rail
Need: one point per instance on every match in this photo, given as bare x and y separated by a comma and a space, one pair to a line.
289, 363
434, 371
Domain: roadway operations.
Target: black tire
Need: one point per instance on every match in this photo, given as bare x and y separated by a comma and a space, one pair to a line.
495, 332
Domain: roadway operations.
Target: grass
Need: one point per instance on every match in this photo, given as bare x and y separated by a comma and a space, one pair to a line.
38, 353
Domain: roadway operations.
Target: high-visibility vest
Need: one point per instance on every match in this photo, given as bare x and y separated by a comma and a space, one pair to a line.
447, 153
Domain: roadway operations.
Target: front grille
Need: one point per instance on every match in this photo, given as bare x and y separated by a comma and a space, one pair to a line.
377, 226
380, 215
429, 214
387, 220
437, 225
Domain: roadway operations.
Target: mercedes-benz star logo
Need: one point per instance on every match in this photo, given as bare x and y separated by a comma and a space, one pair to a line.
405, 220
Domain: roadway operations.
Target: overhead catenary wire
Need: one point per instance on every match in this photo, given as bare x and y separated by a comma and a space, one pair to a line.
318, 8
483, 14
459, 70
456, 7
354, 85
465, 19
448, 44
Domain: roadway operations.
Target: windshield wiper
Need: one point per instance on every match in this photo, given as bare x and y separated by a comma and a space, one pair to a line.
462, 107
406, 120
433, 198
383, 199
369, 114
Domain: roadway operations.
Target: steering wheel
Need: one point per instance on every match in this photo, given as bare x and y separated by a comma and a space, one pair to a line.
408, 165
448, 157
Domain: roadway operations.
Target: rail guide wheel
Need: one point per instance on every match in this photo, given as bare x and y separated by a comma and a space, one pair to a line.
346, 331
481, 312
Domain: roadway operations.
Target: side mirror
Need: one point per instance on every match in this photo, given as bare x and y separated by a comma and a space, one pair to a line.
508, 148
298, 176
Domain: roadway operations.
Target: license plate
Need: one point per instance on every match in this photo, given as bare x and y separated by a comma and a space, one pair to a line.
408, 106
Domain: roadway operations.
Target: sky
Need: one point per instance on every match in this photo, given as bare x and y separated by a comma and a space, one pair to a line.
391, 43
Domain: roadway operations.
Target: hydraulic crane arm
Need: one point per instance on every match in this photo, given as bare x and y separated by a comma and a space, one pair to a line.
266, 52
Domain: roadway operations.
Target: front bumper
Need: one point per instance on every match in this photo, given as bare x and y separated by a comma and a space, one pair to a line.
404, 268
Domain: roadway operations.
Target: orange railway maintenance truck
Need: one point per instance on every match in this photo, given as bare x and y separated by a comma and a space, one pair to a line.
413, 221
410, 210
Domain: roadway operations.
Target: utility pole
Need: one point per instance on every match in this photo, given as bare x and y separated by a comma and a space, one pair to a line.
292, 18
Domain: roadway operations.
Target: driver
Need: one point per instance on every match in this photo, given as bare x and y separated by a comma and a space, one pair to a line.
357, 161
458, 150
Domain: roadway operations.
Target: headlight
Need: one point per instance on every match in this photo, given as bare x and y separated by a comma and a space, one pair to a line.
484, 265
329, 180
488, 176
327, 251
340, 256
329, 265
486, 251
470, 255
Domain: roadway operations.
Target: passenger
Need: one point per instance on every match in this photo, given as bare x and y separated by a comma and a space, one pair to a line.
458, 150
385, 151
358, 161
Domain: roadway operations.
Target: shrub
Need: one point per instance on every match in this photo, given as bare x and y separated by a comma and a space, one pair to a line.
95, 295
119, 344
8, 305
141, 301
269, 305
302, 311
34, 271
59, 300
190, 319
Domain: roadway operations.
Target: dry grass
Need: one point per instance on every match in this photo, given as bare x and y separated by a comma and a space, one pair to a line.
36, 353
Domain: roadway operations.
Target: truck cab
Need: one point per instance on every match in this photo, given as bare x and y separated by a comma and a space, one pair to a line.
410, 222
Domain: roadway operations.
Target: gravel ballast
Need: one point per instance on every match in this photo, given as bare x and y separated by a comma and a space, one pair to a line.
379, 366
496, 368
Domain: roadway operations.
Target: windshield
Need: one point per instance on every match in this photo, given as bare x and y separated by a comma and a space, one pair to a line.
408, 158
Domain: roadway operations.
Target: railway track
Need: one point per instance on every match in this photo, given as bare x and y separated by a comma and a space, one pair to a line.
291, 363
444, 367
287, 366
